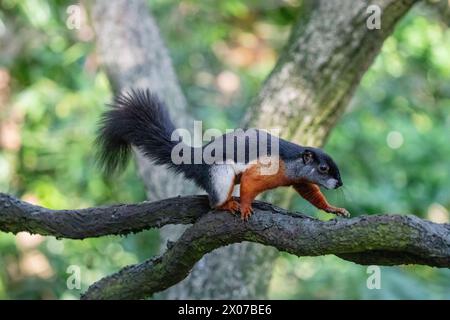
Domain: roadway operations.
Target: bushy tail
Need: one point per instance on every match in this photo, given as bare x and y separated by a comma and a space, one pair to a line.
137, 118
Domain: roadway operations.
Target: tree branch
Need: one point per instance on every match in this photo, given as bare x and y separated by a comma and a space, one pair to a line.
379, 239
122, 219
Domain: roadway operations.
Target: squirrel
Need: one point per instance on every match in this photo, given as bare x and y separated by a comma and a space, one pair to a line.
140, 119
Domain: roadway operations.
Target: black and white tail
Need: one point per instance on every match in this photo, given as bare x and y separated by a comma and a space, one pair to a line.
140, 119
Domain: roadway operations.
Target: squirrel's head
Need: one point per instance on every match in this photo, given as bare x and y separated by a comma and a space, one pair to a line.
315, 166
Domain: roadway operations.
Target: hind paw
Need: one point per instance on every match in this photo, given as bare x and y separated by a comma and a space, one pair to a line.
231, 206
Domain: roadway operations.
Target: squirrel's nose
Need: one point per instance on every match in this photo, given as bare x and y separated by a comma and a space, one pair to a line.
339, 184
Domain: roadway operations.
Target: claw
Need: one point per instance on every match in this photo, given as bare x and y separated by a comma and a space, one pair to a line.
246, 213
344, 213
231, 205
341, 212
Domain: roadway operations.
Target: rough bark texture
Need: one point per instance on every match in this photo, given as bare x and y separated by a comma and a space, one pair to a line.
380, 239
122, 219
328, 52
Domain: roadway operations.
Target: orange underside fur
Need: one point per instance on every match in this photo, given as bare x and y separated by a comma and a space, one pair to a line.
253, 183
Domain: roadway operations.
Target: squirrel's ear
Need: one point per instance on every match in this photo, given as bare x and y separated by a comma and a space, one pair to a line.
307, 157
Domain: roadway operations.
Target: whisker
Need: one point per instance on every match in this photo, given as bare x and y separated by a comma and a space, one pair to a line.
342, 195
347, 194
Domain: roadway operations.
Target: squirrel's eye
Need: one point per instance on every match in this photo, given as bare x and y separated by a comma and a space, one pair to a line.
323, 168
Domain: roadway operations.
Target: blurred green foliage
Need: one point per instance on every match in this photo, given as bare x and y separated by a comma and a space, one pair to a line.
392, 144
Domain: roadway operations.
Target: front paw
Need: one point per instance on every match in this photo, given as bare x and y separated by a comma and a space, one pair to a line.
341, 212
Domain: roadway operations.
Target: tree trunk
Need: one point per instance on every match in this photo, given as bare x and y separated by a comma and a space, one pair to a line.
133, 54
329, 50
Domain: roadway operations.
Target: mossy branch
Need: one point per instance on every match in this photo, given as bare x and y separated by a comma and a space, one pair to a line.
376, 239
